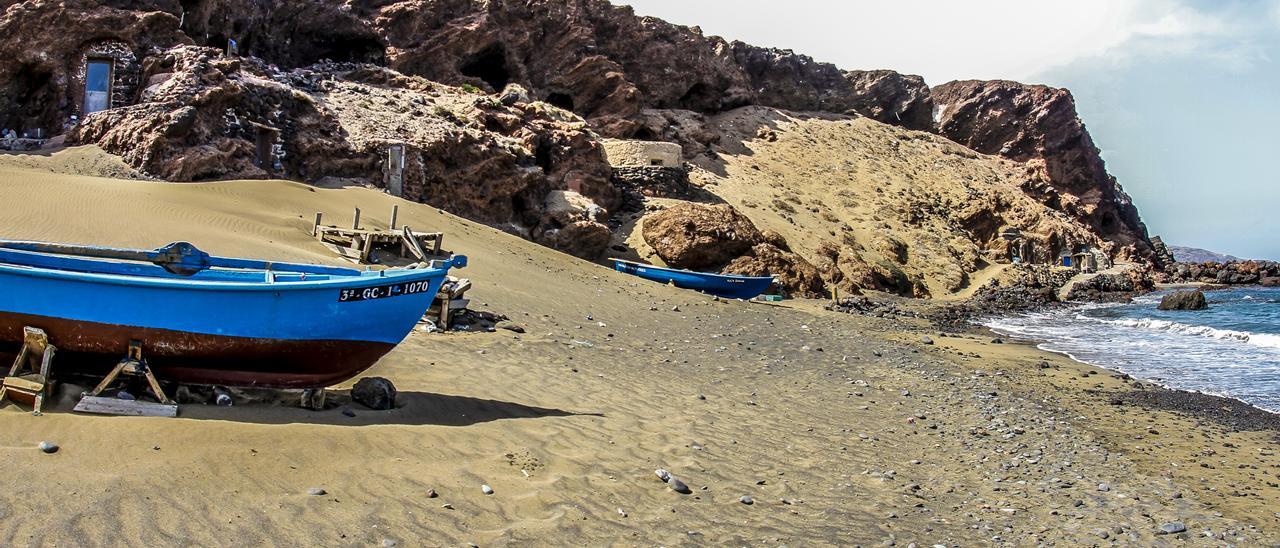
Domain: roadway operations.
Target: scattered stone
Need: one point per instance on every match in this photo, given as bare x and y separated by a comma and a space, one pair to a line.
486, 489
622, 512
316, 492
1172, 528
447, 506
746, 500
510, 326
48, 447
389, 543
926, 340
1104, 487
431, 493
376, 393
678, 486
662, 474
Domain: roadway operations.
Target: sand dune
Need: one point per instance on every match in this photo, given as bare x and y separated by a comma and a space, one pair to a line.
844, 430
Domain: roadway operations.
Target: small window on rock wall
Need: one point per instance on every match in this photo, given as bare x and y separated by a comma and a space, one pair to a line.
97, 85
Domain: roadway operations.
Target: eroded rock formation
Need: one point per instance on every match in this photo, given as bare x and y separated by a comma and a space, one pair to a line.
327, 90
1039, 126
699, 237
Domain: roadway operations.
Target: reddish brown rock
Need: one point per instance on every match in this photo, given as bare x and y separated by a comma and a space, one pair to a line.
893, 98
697, 236
792, 273
1038, 125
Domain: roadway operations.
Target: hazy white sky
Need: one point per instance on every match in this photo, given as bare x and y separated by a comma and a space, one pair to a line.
1182, 96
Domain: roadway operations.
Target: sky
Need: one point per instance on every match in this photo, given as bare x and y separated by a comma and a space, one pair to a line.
1182, 96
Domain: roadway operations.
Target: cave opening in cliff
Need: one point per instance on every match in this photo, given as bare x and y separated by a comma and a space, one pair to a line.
699, 97
542, 156
561, 100
339, 48
28, 103
490, 65
645, 134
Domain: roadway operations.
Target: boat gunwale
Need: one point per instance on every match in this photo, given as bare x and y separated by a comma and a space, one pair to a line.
328, 281
706, 274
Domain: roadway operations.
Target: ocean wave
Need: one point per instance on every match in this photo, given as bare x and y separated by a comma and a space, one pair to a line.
1267, 340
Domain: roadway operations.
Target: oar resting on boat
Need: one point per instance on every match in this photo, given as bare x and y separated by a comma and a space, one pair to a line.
211, 320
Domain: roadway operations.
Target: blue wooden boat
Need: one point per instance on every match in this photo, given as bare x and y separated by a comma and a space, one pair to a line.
728, 286
211, 320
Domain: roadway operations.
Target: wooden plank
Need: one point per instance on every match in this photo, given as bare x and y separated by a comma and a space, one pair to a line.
315, 229
134, 408
19, 383
395, 212
355, 224
460, 287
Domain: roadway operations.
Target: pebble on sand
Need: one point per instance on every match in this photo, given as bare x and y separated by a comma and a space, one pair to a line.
678, 486
48, 447
1172, 527
926, 340
486, 489
431, 493
746, 500
316, 491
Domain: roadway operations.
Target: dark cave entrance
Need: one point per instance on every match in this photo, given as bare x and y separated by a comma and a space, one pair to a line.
542, 156
644, 134
561, 100
700, 97
340, 49
29, 103
489, 65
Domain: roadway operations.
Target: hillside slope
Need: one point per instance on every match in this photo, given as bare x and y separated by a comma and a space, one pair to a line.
869, 203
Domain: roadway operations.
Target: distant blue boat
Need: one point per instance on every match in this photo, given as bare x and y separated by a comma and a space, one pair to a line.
211, 320
723, 285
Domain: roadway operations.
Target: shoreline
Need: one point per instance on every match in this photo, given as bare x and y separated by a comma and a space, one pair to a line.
1193, 402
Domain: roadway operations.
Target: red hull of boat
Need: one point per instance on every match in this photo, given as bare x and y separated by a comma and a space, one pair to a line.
193, 358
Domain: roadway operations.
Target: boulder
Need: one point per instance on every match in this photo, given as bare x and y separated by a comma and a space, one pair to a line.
793, 274
376, 393
1184, 300
697, 236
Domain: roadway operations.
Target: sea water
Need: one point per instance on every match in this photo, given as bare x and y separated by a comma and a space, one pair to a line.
1232, 349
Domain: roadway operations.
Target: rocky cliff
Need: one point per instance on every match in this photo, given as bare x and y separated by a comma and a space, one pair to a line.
490, 105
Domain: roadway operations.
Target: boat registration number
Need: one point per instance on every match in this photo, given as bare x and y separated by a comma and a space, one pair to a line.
383, 291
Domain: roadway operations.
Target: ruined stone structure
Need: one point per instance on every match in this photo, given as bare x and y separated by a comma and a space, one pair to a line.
632, 153
119, 63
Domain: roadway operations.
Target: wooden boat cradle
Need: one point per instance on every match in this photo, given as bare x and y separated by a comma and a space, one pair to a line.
357, 244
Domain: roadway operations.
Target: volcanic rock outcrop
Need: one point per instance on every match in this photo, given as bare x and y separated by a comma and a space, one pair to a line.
363, 92
1038, 125
698, 237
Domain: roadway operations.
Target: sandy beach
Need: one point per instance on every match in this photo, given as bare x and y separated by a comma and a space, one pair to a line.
841, 429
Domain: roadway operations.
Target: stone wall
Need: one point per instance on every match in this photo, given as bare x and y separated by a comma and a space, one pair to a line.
653, 181
627, 153
124, 73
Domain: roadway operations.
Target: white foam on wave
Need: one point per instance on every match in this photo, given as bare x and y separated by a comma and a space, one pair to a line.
1266, 340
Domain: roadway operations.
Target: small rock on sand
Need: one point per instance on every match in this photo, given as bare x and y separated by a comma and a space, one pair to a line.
375, 393
662, 474
48, 447
486, 489
746, 500
1172, 527
678, 486
316, 491
431, 493
926, 340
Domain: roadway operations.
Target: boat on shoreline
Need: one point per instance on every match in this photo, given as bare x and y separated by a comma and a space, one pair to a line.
729, 286
211, 320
